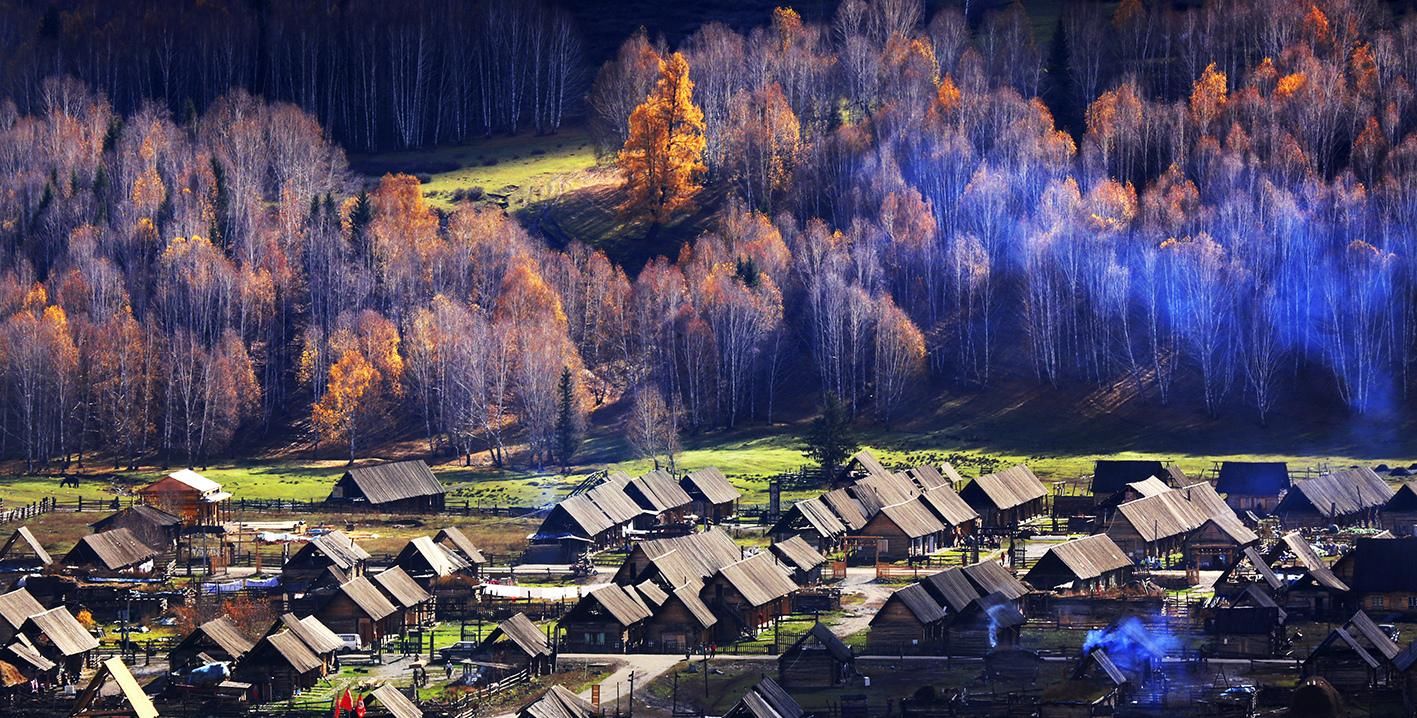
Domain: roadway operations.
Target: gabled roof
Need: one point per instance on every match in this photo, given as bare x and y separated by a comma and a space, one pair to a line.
1253, 478
823, 636
912, 518
1204, 497
951, 589
1000, 610
688, 596
22, 535
817, 514
711, 484
63, 631
614, 503
921, 604
1091, 556
340, 549
846, 508
1103, 661
1346, 639
521, 632
868, 462
798, 553
1009, 488
1112, 475
585, 514
658, 491
288, 646
191, 479
1261, 567
880, 490
1161, 516
138, 701
1150, 486
758, 579
115, 550
395, 481
395, 702
24, 651
401, 587
1383, 565
927, 477
1304, 554
989, 576
460, 543
559, 702
1252, 593
767, 699
225, 633
692, 557
948, 506
621, 602
18, 605
1361, 626
368, 598
315, 635
442, 560
152, 515
1404, 499
1341, 493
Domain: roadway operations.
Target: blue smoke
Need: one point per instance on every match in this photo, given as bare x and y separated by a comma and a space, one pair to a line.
1132, 646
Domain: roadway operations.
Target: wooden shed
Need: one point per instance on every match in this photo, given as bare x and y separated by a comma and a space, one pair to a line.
989, 622
453, 538
278, 666
23, 552
415, 605
1253, 485
680, 619
959, 517
152, 526
58, 636
801, 559
1313, 588
910, 621
1343, 662
194, 498
817, 659
219, 639
676, 560
658, 493
394, 487
1399, 515
1351, 497
112, 553
814, 521
609, 618
1217, 542
358, 606
15, 608
516, 645
1006, 498
747, 595
313, 559
1084, 565
714, 498
430, 563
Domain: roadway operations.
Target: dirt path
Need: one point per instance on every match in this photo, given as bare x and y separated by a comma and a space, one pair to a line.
861, 581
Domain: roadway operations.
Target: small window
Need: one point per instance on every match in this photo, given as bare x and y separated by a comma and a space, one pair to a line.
1412, 602
1377, 602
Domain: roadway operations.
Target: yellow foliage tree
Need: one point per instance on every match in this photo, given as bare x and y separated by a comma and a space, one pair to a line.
663, 157
347, 395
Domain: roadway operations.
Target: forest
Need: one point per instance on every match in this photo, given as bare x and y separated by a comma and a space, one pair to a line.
1216, 205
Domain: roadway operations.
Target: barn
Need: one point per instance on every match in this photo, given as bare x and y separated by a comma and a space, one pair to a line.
714, 498
1253, 486
152, 526
1085, 565
112, 553
817, 659
195, 499
1351, 497
1006, 498
393, 487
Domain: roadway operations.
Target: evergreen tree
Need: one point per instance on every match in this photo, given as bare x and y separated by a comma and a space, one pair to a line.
568, 433
830, 440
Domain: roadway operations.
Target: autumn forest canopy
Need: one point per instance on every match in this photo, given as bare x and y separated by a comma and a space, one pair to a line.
1214, 206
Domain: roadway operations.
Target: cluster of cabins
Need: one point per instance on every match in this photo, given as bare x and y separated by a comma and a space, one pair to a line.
679, 593
968, 610
899, 515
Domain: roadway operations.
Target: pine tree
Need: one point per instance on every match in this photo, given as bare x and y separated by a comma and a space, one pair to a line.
830, 439
568, 434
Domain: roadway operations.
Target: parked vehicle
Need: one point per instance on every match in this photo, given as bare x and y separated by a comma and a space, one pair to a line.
350, 642
458, 651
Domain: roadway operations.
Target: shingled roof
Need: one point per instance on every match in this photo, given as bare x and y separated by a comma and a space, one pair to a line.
1205, 498
1341, 493
692, 557
401, 587
522, 633
368, 598
340, 549
951, 589
880, 490
758, 579
767, 699
621, 602
289, 647
442, 560
1010, 488
946, 504
1161, 516
912, 518
115, 550
658, 492
868, 463
64, 631
315, 635
18, 605
1090, 557
846, 508
990, 576
395, 702
921, 604
798, 554
225, 633
817, 515
711, 485
395, 481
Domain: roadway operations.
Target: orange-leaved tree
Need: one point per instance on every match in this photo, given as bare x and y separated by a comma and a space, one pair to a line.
347, 397
663, 156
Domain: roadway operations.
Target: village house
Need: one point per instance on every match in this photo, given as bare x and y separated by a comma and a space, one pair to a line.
1382, 576
316, 636
988, 622
1249, 624
153, 526
714, 498
990, 576
415, 605
863, 464
1222, 537
515, 645
679, 621
1155, 526
812, 520
1311, 587
930, 476
905, 530
430, 563
677, 560
1351, 497
558, 702
1253, 486
659, 495
394, 487
747, 595
129, 701
959, 518
15, 608
1399, 514
334, 550
198, 501
1086, 565
22, 553
454, 539
766, 699
219, 639
910, 621
801, 559
580, 525
1343, 662
59, 637
817, 659
609, 618
111, 553
1007, 498
359, 607
278, 666
387, 701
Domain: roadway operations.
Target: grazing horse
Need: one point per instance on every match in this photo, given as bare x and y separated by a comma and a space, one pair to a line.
70, 480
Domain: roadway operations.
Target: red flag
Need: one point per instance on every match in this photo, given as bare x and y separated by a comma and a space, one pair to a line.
345, 702
359, 708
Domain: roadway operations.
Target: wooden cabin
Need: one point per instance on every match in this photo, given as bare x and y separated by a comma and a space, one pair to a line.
393, 487
1382, 576
1112, 476
279, 666
713, 497
334, 550
747, 595
905, 530
1343, 662
15, 608
911, 621
454, 539
558, 702
59, 637
516, 645
959, 518
863, 464
22, 553
219, 639
680, 620
1249, 624
658, 493
414, 604
677, 560
608, 619
386, 701
1253, 486
951, 589
316, 636
990, 576
989, 622
1096, 687
812, 520
587, 522
430, 563
112, 553
801, 559
1220, 540
1155, 526
195, 499
817, 659
1007, 498
1399, 514
358, 606
153, 526
1086, 565
1351, 497
1312, 589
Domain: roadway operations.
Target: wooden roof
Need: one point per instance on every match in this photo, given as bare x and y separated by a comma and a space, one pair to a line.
990, 576
846, 509
615, 503
822, 636
918, 602
710, 484
758, 579
1112, 475
621, 602
927, 477
339, 548
558, 702
912, 518
401, 587
688, 597
183, 479
288, 646
1205, 498
766, 699
1150, 486
820, 516
948, 505
880, 490
24, 536
1315, 566
115, 550
368, 598
1361, 626
1345, 640
138, 701
1090, 557
1341, 493
225, 633
522, 633
395, 481
1011, 487
395, 702
442, 560
18, 605
868, 463
658, 491
460, 543
149, 514
951, 589
798, 553
1161, 516
315, 635
64, 631
692, 557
